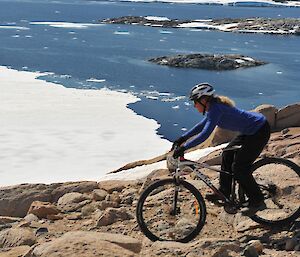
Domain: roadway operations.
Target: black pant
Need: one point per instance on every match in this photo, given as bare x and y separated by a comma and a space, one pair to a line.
240, 163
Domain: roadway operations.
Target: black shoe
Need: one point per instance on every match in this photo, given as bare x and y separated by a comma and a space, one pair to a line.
214, 198
253, 207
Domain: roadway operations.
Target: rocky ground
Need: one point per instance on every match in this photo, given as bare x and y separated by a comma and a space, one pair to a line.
208, 61
242, 25
98, 219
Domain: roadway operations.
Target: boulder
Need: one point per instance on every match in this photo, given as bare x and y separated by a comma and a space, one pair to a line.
288, 116
290, 244
15, 251
30, 217
214, 158
99, 194
107, 204
86, 244
7, 219
165, 248
16, 236
269, 111
42, 209
257, 245
222, 136
216, 247
89, 209
114, 185
72, 202
250, 251
112, 215
80, 187
113, 197
16, 200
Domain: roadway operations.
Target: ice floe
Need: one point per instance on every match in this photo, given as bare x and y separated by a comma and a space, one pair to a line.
13, 27
96, 80
66, 24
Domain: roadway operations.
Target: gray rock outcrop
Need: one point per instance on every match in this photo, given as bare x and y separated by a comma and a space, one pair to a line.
242, 25
208, 61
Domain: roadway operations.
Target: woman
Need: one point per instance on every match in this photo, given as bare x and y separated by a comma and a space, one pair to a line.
254, 133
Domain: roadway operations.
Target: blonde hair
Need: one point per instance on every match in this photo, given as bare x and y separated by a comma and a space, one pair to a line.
224, 100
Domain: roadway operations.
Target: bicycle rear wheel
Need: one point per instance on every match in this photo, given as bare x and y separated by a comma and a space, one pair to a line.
279, 180
170, 211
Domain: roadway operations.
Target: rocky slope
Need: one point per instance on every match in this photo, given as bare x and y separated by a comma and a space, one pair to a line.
98, 218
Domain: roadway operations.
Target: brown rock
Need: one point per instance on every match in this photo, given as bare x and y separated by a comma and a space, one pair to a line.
6, 219
99, 194
71, 187
87, 244
114, 197
16, 200
288, 116
16, 236
214, 158
112, 215
290, 244
222, 136
42, 209
88, 209
74, 216
257, 245
269, 111
114, 185
30, 217
58, 216
16, 251
250, 251
246, 225
107, 204
72, 202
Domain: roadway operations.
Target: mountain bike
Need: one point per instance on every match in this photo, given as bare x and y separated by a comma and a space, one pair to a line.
173, 209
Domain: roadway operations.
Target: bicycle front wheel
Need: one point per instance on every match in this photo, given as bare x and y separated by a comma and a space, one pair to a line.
170, 211
279, 180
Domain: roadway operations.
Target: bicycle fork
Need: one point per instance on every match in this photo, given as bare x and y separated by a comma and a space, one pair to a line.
175, 210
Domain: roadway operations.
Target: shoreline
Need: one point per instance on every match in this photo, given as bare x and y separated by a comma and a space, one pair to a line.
50, 133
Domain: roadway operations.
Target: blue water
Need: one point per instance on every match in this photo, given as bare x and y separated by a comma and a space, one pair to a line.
119, 53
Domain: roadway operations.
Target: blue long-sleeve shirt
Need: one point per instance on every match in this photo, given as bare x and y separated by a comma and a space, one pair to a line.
227, 117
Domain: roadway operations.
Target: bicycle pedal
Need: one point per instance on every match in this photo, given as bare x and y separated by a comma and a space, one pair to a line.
230, 209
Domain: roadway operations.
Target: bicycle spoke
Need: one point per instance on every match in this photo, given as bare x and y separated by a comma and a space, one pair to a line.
160, 220
281, 187
166, 223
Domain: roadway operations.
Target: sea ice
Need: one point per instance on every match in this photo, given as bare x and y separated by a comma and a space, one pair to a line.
122, 33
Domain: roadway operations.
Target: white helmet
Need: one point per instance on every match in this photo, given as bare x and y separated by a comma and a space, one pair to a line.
202, 89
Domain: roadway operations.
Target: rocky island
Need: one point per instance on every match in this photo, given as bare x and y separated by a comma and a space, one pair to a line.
243, 25
208, 61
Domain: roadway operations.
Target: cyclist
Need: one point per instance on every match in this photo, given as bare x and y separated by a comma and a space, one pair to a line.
254, 133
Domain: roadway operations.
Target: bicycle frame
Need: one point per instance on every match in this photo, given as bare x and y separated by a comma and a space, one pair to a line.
196, 167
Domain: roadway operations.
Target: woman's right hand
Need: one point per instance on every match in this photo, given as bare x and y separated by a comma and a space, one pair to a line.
178, 142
